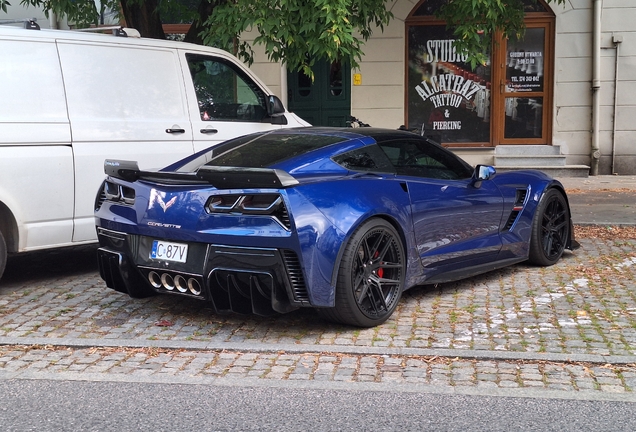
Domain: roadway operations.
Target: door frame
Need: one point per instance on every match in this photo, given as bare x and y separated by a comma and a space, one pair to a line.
498, 97
321, 97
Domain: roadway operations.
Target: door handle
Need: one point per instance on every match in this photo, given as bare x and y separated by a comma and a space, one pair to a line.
208, 131
174, 130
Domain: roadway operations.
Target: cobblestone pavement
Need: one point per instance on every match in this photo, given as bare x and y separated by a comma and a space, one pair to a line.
568, 327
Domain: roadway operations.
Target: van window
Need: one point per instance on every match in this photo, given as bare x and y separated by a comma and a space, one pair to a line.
225, 92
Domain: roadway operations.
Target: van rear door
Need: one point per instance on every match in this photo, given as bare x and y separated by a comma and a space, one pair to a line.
124, 102
36, 161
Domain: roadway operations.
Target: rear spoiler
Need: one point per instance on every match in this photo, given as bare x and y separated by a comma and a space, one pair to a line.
121, 169
243, 178
219, 177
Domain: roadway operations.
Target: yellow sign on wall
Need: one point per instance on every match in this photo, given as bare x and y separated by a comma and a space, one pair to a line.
357, 79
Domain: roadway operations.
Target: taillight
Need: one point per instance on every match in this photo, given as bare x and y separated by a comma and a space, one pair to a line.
119, 193
251, 204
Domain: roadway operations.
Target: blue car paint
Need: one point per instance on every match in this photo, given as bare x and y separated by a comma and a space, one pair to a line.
346, 205
330, 203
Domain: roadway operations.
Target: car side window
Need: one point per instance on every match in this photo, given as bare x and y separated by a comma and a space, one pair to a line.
369, 159
224, 92
421, 158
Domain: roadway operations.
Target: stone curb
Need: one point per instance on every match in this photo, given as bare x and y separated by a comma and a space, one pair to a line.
301, 349
525, 393
608, 224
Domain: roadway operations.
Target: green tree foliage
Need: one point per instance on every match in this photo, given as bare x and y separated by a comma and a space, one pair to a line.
474, 22
296, 32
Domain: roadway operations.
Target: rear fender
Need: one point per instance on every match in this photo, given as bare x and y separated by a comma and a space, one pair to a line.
343, 206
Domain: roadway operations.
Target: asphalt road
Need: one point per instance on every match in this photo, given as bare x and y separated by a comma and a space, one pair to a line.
115, 406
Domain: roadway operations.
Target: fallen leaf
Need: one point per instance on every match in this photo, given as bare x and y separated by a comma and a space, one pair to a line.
164, 323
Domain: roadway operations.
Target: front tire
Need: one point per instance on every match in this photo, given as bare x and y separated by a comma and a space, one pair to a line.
370, 277
550, 229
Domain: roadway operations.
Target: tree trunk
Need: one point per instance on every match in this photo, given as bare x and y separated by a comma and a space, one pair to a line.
206, 7
144, 17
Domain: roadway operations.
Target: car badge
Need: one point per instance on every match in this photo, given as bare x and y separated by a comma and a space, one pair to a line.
166, 206
155, 197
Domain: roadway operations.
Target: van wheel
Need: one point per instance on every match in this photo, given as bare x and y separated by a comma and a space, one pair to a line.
3, 255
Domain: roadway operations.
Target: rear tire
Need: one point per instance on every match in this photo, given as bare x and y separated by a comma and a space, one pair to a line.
550, 229
3, 255
370, 277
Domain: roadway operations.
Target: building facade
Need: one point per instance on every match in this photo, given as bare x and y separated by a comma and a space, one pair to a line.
569, 84
566, 90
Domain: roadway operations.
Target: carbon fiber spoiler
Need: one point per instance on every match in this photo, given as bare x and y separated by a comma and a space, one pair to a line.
219, 177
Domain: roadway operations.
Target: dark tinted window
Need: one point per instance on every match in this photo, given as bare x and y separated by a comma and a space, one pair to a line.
370, 158
424, 159
260, 151
225, 92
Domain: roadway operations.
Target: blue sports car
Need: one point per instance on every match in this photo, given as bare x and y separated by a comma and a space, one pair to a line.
341, 220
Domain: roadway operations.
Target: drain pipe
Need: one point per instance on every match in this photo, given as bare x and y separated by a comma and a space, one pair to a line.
596, 86
283, 85
53, 20
617, 40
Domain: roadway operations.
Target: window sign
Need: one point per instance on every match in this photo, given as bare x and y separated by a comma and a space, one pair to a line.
525, 85
446, 98
524, 68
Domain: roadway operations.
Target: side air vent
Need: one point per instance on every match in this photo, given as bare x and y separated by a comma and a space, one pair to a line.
295, 272
520, 200
283, 217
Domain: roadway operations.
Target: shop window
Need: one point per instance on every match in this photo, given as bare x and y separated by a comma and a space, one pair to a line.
505, 100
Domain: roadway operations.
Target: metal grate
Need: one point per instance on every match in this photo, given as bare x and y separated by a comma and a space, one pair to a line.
283, 216
516, 209
295, 272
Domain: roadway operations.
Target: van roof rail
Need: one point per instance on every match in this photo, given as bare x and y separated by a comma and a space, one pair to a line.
27, 23
31, 24
117, 31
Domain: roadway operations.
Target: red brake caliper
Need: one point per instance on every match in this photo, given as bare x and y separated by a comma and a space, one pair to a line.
380, 271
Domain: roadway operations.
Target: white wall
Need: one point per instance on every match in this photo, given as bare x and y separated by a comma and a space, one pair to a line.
16, 11
573, 76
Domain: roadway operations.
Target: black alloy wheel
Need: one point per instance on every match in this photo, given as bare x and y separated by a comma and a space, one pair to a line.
370, 277
550, 229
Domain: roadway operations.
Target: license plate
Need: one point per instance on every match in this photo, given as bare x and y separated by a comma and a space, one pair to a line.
167, 251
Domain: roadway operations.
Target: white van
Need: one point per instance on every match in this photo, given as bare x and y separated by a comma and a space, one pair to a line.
69, 100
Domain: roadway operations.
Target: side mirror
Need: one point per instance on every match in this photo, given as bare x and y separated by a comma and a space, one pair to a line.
276, 110
482, 172
275, 106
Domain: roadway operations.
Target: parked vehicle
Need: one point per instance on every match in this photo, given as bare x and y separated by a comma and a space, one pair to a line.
342, 220
72, 99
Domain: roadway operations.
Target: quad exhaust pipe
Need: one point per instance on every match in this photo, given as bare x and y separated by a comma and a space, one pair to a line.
178, 282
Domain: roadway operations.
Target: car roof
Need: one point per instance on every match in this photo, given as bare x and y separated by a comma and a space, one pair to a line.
378, 134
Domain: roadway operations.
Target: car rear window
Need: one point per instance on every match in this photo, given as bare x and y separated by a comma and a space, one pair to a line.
261, 151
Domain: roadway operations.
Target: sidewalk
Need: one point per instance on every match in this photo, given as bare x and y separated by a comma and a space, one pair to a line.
598, 183
602, 200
